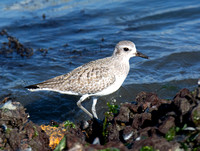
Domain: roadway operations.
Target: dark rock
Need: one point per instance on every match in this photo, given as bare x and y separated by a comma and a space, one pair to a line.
184, 103
19, 134
73, 140
132, 107
123, 115
118, 145
146, 132
157, 143
198, 93
108, 146
167, 124
128, 134
37, 139
13, 118
144, 97
149, 102
139, 119
196, 116
113, 133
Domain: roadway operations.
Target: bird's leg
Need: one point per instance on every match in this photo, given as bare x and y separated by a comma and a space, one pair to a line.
93, 107
81, 107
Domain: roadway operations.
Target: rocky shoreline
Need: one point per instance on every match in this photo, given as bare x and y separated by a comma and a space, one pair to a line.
151, 124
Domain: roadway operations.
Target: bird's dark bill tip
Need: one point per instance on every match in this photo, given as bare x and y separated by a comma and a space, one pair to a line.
139, 54
32, 87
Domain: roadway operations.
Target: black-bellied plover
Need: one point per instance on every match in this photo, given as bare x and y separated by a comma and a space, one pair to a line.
96, 78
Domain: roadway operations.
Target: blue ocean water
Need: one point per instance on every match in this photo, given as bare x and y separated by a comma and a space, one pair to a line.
76, 32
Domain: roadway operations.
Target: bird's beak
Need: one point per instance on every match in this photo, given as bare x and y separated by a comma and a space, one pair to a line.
139, 54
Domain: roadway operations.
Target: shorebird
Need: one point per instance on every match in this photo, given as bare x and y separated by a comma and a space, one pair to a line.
96, 78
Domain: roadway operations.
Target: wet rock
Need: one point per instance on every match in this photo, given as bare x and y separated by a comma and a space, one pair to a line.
196, 116
37, 138
73, 140
128, 134
115, 145
108, 146
16, 133
167, 124
196, 93
132, 107
146, 100
184, 103
123, 115
76, 132
139, 119
77, 147
14, 117
112, 133
146, 132
156, 143
149, 103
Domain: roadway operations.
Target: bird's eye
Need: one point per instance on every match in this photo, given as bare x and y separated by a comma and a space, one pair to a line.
126, 49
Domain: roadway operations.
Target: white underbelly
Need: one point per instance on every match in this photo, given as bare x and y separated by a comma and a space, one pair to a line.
112, 88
